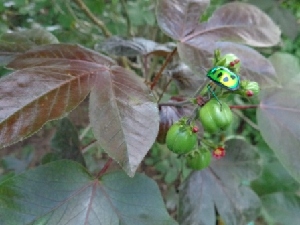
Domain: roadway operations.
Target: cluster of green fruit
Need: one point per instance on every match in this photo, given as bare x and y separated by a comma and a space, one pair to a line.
214, 115
182, 137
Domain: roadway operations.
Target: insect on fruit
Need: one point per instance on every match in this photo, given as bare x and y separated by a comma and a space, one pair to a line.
223, 77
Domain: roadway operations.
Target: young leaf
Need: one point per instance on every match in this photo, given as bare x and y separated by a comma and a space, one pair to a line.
12, 44
63, 192
278, 116
52, 81
178, 18
282, 208
123, 117
222, 187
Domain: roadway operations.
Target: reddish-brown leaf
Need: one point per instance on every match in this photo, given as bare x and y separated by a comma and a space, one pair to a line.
45, 90
13, 44
123, 116
178, 18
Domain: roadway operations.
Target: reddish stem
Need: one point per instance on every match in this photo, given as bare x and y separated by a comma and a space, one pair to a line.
243, 106
105, 167
158, 75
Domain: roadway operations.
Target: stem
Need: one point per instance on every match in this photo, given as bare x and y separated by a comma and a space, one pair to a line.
105, 167
243, 106
158, 75
89, 14
126, 14
87, 147
165, 88
246, 119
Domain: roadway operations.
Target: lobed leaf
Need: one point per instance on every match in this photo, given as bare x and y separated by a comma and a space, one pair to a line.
277, 117
123, 116
63, 192
52, 81
13, 44
221, 189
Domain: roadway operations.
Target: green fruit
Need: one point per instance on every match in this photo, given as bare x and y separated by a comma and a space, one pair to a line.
180, 138
214, 117
198, 159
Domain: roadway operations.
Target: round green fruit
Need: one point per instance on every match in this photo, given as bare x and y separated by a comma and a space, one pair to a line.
180, 138
198, 159
215, 117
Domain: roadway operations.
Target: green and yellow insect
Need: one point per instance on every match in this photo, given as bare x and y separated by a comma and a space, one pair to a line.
224, 77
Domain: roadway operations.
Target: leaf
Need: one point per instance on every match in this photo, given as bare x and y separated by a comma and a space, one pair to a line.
51, 82
222, 187
254, 67
66, 142
123, 117
274, 178
13, 44
178, 18
286, 65
63, 192
238, 22
283, 208
278, 116
133, 47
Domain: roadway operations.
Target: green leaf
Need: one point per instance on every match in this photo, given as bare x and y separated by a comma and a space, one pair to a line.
274, 178
282, 208
286, 65
66, 142
221, 188
63, 192
278, 116
123, 116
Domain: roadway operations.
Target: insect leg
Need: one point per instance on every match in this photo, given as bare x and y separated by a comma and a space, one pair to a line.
213, 93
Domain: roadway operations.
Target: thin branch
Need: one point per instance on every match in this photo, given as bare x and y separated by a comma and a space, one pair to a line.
243, 106
158, 75
105, 167
89, 14
246, 119
126, 14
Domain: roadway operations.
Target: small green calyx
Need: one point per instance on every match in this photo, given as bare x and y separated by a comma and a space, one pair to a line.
229, 61
249, 88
